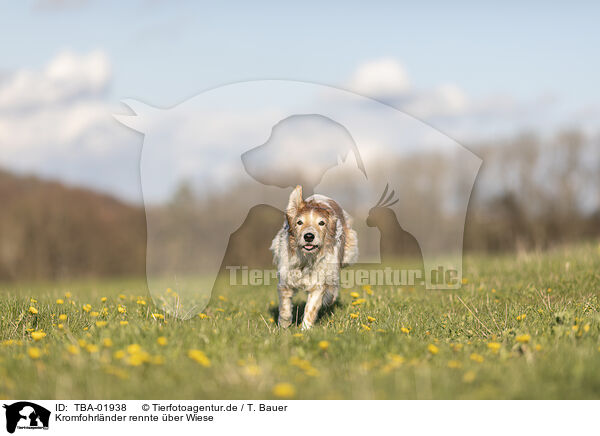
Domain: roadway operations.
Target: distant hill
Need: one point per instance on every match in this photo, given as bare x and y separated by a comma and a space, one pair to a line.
51, 231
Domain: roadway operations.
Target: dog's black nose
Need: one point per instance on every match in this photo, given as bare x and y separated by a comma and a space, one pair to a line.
309, 237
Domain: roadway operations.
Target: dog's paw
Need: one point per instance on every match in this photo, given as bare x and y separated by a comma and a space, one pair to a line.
284, 323
305, 326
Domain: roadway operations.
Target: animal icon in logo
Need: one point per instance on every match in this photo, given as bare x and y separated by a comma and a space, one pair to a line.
396, 244
26, 415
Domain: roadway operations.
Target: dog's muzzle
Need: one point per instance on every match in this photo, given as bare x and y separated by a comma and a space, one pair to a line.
309, 246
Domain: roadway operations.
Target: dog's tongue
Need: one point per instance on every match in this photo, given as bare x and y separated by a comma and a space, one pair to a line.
309, 247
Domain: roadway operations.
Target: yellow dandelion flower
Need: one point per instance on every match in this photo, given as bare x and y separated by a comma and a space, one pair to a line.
118, 355
538, 347
33, 300
199, 357
454, 364
549, 290
34, 352
158, 316
477, 358
101, 323
494, 346
252, 370
218, 309
312, 372
134, 348
359, 301
121, 309
141, 302
465, 281
122, 296
60, 301
82, 343
202, 315
523, 339
68, 295
432, 349
222, 298
33, 310
87, 307
396, 359
371, 319
62, 317
107, 342
162, 341
284, 390
354, 294
73, 349
94, 314
103, 299
405, 330
123, 322
586, 328
365, 327
60, 326
324, 345
91, 348
354, 315
157, 360
298, 335
138, 358
521, 317
469, 377
36, 336
368, 289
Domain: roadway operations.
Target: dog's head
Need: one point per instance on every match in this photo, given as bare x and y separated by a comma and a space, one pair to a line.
311, 224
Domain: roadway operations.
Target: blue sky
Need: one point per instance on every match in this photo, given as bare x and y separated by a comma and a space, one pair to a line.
167, 51
471, 70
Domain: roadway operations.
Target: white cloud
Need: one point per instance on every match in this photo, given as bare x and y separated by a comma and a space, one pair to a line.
387, 80
67, 77
451, 109
443, 100
56, 122
380, 78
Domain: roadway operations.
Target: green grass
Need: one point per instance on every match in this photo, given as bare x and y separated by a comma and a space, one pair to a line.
444, 355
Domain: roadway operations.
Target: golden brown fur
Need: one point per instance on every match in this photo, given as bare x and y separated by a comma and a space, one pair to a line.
315, 242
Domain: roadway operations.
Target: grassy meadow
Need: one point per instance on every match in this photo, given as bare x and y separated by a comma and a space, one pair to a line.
524, 326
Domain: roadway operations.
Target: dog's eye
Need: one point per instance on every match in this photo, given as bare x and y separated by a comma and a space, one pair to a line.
321, 223
299, 222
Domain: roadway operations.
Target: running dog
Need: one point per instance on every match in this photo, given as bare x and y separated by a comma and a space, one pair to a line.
315, 242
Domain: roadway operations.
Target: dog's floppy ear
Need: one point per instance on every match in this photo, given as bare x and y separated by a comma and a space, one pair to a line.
294, 205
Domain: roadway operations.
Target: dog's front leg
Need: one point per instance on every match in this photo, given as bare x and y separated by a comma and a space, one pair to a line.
313, 304
285, 307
